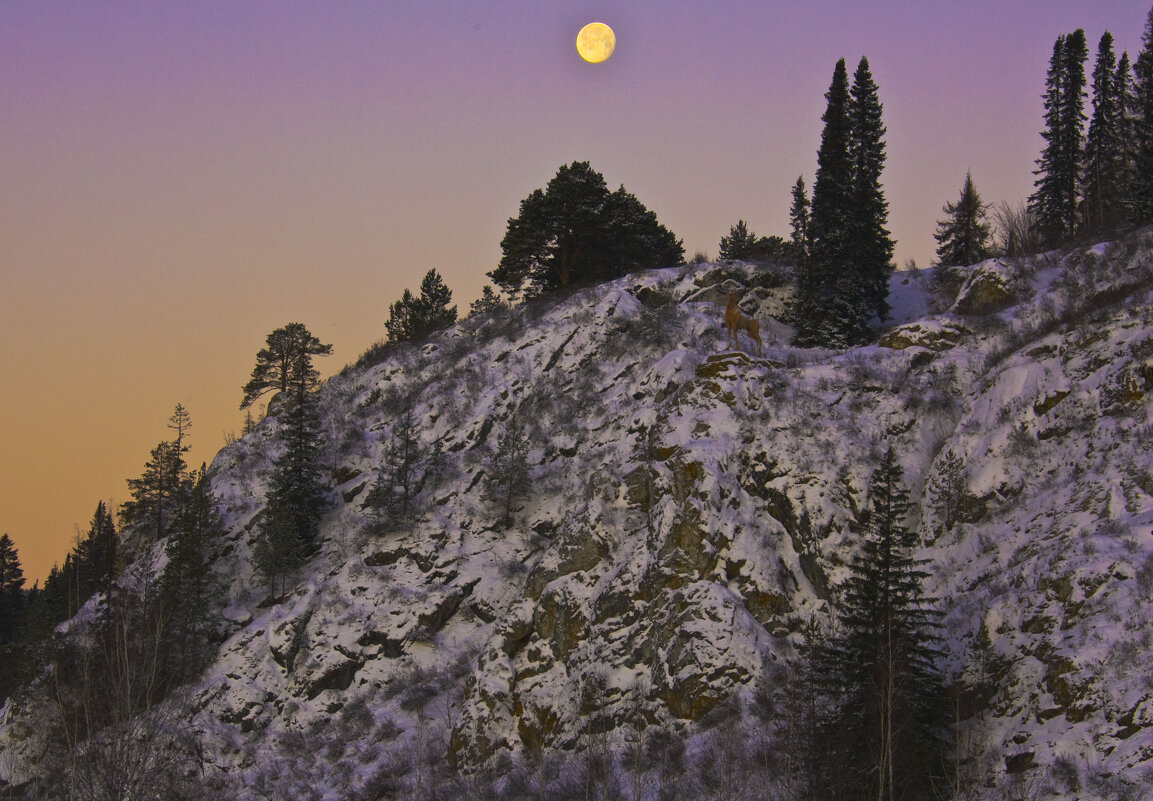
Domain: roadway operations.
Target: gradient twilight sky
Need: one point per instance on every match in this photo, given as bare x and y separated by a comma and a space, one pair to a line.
177, 179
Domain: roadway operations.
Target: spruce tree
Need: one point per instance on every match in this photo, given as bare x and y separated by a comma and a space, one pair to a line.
1126, 135
739, 243
297, 496
1141, 199
414, 317
828, 270
507, 472
1104, 165
868, 212
884, 660
799, 219
11, 589
963, 236
1059, 168
188, 586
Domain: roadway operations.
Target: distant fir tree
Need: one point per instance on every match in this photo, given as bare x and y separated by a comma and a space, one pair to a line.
393, 495
158, 492
575, 232
13, 627
489, 302
188, 586
739, 244
414, 317
96, 558
1104, 169
1126, 134
297, 496
11, 590
883, 667
963, 236
799, 219
845, 280
868, 212
1141, 199
507, 472
1054, 203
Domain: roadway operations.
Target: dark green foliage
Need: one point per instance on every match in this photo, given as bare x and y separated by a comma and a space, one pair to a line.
11, 589
868, 212
507, 473
393, 495
1104, 170
281, 360
882, 664
577, 233
188, 585
845, 279
743, 245
799, 219
963, 236
413, 317
297, 497
738, 244
489, 302
161, 489
1059, 168
1141, 200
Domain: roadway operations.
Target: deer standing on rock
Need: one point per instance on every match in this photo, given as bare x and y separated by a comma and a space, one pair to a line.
736, 322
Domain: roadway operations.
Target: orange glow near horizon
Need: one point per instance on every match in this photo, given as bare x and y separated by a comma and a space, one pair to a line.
179, 180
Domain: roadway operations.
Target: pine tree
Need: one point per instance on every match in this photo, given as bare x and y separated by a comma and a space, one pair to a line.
279, 362
156, 493
1059, 168
297, 496
1141, 199
187, 583
507, 472
885, 657
1104, 165
414, 317
489, 302
576, 232
824, 275
1126, 135
739, 244
95, 561
11, 589
799, 219
872, 247
963, 236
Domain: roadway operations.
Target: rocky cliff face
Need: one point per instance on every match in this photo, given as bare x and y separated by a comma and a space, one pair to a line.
691, 511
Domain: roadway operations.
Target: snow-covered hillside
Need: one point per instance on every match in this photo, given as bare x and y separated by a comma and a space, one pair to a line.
658, 573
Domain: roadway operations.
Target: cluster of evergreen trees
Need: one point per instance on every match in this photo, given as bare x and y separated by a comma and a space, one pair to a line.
297, 495
1101, 182
842, 279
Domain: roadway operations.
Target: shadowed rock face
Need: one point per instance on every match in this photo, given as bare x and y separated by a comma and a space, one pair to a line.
692, 509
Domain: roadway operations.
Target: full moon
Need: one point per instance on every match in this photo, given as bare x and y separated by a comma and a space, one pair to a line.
596, 42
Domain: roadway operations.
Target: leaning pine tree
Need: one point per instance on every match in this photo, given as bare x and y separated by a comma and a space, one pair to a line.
883, 663
296, 497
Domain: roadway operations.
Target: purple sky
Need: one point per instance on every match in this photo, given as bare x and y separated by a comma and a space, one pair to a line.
178, 179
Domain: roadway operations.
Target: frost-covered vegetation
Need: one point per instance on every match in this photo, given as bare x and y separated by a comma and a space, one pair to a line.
579, 548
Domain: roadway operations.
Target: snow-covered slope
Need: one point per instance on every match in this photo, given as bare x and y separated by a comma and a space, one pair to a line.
658, 568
